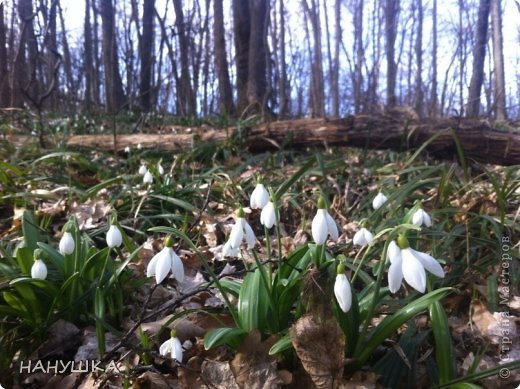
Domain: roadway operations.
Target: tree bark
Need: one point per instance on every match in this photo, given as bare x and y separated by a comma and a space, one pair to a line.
4, 75
257, 63
145, 53
115, 95
221, 63
498, 61
479, 55
419, 95
186, 103
391, 16
400, 131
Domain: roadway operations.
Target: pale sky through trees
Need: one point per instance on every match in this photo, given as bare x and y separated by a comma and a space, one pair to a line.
448, 19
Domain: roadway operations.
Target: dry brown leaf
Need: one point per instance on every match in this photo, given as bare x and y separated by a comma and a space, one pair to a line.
91, 213
320, 345
252, 366
151, 379
218, 374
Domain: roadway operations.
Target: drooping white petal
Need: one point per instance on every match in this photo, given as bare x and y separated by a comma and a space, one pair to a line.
393, 252
177, 267
268, 216
429, 263
67, 244
114, 237
395, 274
343, 292
160, 169
39, 270
332, 227
237, 234
164, 264
420, 217
228, 251
142, 170
147, 178
362, 237
259, 197
173, 348
150, 269
413, 270
379, 200
319, 227
249, 234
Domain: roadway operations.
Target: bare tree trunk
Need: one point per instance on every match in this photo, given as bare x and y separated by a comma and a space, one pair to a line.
479, 56
257, 71
242, 29
221, 63
67, 63
89, 59
317, 83
185, 94
419, 96
30, 81
115, 95
4, 74
335, 66
283, 87
359, 52
51, 56
498, 60
433, 102
146, 44
391, 17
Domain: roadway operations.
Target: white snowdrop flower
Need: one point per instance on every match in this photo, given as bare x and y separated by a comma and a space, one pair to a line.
410, 264
114, 237
342, 289
67, 244
139, 146
228, 251
142, 169
241, 231
147, 178
172, 347
39, 270
379, 200
165, 261
127, 149
160, 169
259, 197
323, 224
420, 217
268, 216
362, 237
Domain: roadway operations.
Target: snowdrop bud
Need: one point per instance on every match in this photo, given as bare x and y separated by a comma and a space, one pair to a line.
114, 237
420, 217
160, 169
38, 269
127, 149
147, 178
268, 216
323, 224
259, 197
67, 244
142, 169
342, 289
362, 237
379, 200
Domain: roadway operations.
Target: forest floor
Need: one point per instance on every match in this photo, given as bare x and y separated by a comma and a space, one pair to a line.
238, 333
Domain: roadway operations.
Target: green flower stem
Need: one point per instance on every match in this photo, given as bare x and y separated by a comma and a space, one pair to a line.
374, 302
361, 263
269, 256
268, 286
278, 232
104, 267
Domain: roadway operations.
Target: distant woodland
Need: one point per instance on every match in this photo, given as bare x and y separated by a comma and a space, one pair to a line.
279, 58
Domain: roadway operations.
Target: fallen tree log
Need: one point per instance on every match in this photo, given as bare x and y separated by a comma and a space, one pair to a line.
479, 141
